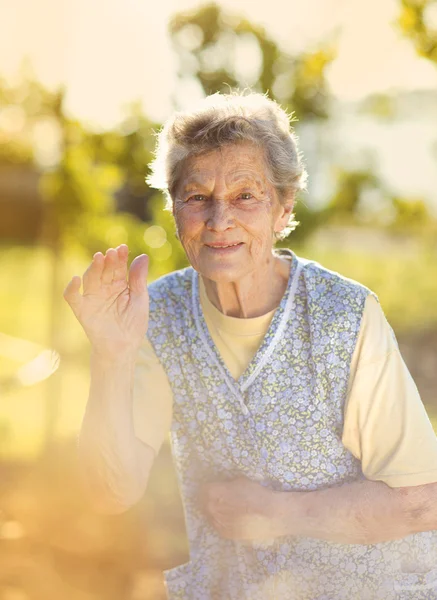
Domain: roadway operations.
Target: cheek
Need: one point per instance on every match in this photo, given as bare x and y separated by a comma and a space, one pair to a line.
188, 223
260, 223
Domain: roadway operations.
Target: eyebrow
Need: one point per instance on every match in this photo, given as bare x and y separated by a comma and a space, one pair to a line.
193, 185
194, 182
246, 179
195, 179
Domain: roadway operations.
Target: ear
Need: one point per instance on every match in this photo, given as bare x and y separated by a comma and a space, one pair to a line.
286, 209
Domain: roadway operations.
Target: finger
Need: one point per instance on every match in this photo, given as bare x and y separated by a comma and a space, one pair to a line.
111, 259
72, 294
120, 269
92, 278
138, 274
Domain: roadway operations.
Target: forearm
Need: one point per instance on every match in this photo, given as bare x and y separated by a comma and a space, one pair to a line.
114, 464
361, 512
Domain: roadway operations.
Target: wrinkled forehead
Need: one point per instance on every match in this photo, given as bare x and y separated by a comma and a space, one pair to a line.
236, 177
234, 165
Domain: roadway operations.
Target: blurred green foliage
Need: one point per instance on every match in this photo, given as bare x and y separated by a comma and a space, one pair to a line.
418, 22
92, 188
208, 41
92, 184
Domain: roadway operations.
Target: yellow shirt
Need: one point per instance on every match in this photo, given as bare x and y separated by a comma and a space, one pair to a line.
386, 425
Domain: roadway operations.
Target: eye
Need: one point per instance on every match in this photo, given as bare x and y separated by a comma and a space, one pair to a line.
196, 198
245, 196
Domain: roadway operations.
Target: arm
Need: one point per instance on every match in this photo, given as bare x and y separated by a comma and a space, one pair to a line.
113, 311
115, 464
361, 512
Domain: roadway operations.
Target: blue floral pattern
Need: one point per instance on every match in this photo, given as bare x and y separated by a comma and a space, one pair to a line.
280, 424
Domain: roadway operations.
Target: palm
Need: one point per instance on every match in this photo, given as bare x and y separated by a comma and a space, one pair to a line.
113, 310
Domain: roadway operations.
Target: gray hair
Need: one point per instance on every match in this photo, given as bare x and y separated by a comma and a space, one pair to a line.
232, 118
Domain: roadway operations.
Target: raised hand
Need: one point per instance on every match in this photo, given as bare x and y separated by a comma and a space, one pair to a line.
113, 309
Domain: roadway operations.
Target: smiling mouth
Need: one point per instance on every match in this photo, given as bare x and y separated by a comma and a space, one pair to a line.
222, 247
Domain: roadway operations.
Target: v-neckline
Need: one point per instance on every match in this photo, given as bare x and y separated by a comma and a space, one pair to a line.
270, 340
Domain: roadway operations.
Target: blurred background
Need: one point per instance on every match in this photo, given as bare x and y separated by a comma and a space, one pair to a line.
83, 88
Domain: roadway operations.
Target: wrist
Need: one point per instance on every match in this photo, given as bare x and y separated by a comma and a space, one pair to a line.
108, 360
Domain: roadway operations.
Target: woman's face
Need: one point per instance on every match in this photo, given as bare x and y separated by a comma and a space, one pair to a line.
226, 212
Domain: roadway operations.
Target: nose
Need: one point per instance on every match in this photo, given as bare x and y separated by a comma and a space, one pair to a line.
220, 216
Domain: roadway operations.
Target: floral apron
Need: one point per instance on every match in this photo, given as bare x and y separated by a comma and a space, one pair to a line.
279, 424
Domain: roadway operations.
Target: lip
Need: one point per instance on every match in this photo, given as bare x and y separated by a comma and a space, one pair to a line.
223, 248
223, 244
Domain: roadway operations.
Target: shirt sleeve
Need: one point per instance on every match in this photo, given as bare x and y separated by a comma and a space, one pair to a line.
152, 398
386, 425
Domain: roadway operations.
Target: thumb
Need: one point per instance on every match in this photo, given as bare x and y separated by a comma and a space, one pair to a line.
138, 274
72, 295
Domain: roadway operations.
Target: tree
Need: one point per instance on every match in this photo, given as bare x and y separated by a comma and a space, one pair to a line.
92, 190
418, 21
210, 43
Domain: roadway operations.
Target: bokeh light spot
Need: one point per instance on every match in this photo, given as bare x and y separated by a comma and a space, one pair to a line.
155, 236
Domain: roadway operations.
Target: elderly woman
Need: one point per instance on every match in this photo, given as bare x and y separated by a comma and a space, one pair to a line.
305, 457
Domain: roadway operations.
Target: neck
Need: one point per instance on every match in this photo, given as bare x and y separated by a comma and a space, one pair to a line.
254, 295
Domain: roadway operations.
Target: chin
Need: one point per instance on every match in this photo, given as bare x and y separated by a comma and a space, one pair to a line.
222, 273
